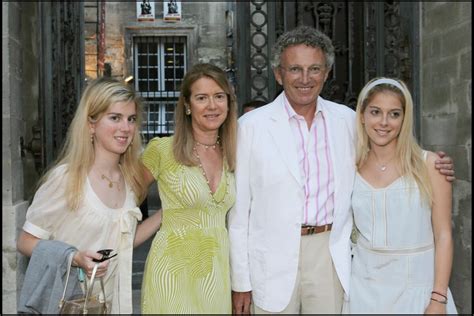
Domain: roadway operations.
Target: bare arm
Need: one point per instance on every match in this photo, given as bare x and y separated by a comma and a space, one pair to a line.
441, 221
149, 179
151, 225
147, 228
26, 243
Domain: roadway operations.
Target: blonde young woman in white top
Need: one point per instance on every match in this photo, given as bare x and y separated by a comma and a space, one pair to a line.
402, 210
89, 198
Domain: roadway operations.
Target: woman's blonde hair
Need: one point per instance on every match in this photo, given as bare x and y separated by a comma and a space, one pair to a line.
78, 151
408, 153
183, 141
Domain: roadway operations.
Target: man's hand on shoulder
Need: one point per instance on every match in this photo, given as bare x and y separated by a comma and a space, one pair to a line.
445, 166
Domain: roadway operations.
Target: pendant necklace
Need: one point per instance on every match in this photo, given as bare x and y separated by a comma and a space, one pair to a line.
111, 183
382, 167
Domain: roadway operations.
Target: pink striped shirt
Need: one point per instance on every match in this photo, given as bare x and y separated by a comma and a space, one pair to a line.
315, 165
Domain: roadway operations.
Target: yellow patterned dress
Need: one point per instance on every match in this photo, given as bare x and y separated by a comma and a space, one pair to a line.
187, 268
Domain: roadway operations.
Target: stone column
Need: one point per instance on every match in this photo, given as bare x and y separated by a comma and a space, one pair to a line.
19, 109
13, 205
446, 118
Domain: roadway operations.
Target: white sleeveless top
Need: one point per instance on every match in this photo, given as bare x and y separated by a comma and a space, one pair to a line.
393, 258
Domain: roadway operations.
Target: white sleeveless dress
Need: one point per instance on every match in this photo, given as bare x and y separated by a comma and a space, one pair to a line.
393, 258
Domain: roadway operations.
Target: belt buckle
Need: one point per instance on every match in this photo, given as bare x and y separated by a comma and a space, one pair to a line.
309, 229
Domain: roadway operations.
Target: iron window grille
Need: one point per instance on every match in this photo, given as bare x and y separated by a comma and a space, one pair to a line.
159, 68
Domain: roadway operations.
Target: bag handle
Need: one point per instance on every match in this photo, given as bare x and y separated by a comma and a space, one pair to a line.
88, 291
69, 263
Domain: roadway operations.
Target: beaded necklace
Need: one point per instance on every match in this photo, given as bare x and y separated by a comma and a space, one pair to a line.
207, 146
226, 175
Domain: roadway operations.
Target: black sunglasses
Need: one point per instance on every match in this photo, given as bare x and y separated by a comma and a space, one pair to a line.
105, 255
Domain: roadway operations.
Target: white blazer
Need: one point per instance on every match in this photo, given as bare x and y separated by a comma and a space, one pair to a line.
265, 222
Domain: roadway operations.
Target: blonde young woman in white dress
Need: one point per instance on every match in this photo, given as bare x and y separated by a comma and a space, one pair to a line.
402, 211
89, 198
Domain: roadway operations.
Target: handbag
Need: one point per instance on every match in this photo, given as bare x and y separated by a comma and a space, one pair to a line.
83, 305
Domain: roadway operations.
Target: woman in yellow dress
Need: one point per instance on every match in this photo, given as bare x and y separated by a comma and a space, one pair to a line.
187, 268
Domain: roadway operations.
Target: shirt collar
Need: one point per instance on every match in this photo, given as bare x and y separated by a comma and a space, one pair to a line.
291, 112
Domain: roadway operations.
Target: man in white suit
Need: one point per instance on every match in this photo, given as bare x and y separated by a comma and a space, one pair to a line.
290, 226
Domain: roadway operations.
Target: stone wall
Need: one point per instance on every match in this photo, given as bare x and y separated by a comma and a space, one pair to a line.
209, 42
446, 113
19, 109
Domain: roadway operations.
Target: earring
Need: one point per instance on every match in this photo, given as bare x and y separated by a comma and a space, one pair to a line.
188, 111
92, 139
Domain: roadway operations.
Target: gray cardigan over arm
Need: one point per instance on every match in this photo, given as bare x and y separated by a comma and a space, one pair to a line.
45, 276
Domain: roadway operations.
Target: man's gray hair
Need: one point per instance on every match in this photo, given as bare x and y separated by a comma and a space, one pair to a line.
303, 35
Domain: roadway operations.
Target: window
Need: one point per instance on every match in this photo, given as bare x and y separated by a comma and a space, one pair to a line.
159, 68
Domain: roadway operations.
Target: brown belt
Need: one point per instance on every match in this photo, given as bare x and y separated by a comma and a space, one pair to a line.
309, 230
